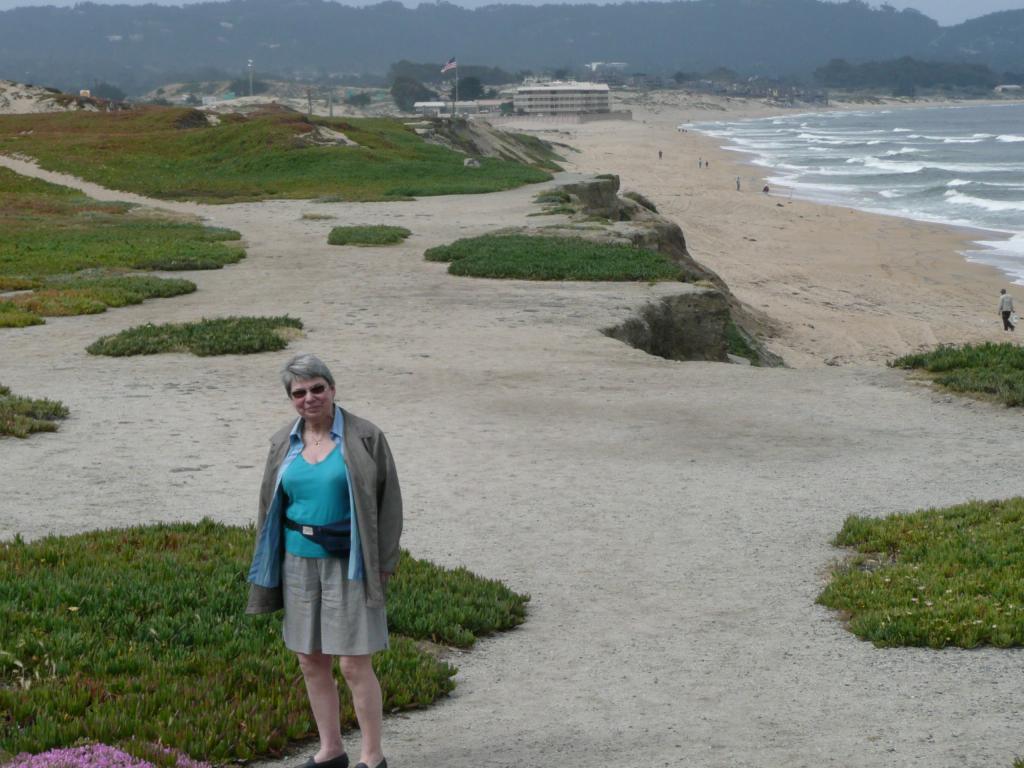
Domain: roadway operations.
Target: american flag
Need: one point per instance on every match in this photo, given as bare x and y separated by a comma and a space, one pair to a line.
450, 64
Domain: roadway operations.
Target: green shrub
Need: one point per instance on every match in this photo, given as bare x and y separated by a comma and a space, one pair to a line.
995, 370
936, 577
376, 234
13, 316
21, 416
59, 303
527, 257
139, 633
220, 336
9, 283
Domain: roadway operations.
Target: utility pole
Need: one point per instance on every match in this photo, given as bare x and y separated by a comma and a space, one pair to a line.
309, 101
250, 77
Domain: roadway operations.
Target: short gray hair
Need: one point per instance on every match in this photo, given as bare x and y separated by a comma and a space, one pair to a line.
305, 366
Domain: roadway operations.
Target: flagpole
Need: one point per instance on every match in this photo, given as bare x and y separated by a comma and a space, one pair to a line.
455, 106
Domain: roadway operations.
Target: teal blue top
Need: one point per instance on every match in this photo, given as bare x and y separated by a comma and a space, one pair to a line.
317, 494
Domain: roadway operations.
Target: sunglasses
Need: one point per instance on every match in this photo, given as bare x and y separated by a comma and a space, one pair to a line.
316, 389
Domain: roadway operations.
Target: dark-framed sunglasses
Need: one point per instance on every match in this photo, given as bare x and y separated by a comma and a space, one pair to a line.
316, 389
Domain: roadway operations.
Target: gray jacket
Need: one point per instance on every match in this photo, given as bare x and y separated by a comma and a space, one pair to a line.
378, 512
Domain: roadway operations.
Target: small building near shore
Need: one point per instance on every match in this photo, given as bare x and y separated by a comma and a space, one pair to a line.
562, 98
440, 108
1014, 89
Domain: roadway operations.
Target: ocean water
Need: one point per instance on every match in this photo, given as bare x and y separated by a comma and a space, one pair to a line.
961, 165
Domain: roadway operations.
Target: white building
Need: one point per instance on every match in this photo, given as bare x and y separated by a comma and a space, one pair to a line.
562, 98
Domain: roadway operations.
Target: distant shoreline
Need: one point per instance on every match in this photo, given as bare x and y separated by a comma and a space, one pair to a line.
835, 285
982, 240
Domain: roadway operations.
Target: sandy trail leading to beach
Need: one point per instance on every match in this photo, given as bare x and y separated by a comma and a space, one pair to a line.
670, 520
840, 286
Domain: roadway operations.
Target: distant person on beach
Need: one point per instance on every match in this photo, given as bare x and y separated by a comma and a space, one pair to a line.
1006, 309
330, 516
766, 189
659, 154
737, 183
700, 162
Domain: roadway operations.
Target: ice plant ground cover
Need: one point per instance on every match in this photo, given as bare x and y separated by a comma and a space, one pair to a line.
139, 634
21, 416
67, 254
370, 234
525, 257
175, 153
935, 577
216, 336
139, 755
989, 370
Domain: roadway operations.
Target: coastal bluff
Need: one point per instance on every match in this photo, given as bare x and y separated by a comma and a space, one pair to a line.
704, 320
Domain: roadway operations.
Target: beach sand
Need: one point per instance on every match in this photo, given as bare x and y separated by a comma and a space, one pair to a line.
838, 286
671, 521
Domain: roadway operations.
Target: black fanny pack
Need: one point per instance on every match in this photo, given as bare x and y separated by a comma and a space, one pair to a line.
336, 538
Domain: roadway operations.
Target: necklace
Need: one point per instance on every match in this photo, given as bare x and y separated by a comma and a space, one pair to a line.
316, 441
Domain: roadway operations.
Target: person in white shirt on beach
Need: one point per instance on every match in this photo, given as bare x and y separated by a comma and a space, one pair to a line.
1006, 309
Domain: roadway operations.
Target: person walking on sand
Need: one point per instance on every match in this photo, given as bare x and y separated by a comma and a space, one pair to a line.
1006, 309
737, 183
330, 516
659, 154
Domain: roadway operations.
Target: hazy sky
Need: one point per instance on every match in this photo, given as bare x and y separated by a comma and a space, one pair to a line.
944, 11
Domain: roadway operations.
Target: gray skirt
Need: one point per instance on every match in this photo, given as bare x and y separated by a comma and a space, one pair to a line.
324, 612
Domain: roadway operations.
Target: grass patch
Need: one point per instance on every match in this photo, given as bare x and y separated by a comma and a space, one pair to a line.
73, 252
552, 258
739, 345
936, 577
46, 229
317, 217
138, 636
220, 336
21, 416
165, 153
371, 234
991, 370
13, 316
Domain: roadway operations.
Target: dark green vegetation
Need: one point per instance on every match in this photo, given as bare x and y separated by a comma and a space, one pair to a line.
755, 37
936, 577
220, 336
406, 91
739, 345
73, 253
427, 72
994, 370
21, 416
905, 75
140, 634
375, 234
551, 258
175, 154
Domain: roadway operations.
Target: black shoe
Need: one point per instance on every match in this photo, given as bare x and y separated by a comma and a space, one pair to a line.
381, 764
341, 761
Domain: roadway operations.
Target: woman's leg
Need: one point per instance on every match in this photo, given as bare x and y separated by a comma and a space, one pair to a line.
366, 698
323, 698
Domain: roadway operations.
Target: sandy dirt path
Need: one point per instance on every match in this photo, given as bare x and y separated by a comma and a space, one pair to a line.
670, 520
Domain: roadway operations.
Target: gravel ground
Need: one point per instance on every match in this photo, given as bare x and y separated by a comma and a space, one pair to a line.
670, 520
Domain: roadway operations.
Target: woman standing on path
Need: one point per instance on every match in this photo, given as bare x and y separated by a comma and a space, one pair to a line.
330, 516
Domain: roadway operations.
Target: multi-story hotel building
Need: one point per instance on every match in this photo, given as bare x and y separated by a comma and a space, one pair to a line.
557, 98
